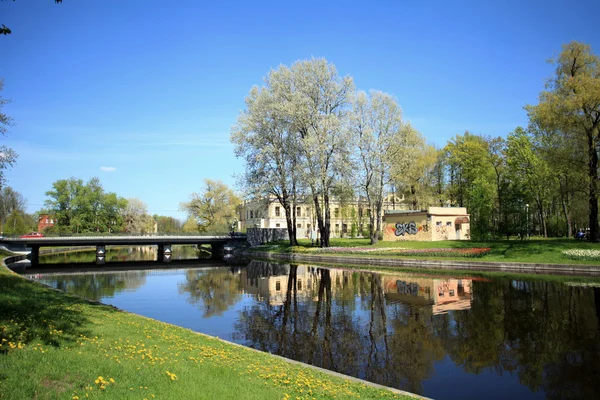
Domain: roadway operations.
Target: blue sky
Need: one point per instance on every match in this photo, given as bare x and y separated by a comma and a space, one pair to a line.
143, 93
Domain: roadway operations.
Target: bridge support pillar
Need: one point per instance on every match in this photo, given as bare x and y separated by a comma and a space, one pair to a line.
34, 256
100, 254
216, 251
164, 253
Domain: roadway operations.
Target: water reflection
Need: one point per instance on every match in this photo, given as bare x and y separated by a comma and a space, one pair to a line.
96, 286
213, 291
524, 339
121, 254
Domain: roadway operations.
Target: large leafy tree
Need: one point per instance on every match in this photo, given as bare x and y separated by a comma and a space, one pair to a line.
570, 108
471, 180
263, 138
531, 172
136, 218
84, 207
317, 101
214, 208
382, 143
292, 136
166, 224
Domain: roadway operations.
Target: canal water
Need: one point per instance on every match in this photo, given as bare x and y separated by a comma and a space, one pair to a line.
445, 337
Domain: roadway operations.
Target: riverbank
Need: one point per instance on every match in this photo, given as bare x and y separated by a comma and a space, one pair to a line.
523, 257
58, 346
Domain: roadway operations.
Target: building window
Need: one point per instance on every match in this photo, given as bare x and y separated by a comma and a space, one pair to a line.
308, 226
299, 285
278, 286
277, 225
368, 212
345, 228
438, 223
298, 225
337, 227
251, 214
336, 212
277, 211
360, 213
448, 223
298, 211
46, 220
51, 220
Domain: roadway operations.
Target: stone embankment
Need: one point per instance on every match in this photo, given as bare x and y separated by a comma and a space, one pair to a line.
525, 268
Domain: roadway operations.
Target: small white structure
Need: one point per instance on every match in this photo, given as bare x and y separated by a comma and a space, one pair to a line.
435, 223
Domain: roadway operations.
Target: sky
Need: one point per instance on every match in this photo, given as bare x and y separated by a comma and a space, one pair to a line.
143, 93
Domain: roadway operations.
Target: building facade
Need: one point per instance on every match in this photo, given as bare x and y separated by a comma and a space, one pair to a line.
44, 222
347, 219
435, 223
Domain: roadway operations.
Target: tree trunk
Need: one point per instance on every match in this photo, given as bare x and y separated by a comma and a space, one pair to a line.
290, 224
327, 230
593, 182
320, 221
564, 198
413, 192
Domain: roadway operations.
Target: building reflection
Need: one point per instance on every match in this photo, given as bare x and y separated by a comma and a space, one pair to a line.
270, 282
441, 294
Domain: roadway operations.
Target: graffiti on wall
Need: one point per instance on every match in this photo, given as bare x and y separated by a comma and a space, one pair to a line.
407, 288
409, 228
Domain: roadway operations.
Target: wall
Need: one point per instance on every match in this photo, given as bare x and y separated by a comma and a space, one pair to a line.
404, 227
258, 236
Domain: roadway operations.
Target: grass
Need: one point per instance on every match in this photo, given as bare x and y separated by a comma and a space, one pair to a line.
544, 251
58, 346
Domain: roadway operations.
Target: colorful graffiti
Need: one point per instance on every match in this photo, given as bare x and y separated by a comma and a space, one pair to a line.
406, 228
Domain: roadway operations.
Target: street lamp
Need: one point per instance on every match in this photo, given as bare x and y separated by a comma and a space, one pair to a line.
527, 211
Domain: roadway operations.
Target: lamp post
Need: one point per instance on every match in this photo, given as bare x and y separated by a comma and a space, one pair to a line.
527, 217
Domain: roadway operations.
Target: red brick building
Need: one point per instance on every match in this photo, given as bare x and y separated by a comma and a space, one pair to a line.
45, 221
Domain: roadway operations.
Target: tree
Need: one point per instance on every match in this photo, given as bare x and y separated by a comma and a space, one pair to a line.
413, 170
529, 170
214, 208
167, 224
262, 137
570, 108
11, 201
136, 218
471, 180
317, 103
79, 207
8, 156
381, 143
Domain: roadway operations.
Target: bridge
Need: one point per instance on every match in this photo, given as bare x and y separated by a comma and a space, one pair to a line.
164, 243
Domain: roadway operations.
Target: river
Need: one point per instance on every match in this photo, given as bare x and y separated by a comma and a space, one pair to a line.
445, 337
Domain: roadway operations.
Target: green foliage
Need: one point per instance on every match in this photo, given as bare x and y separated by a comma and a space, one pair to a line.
80, 208
568, 115
213, 209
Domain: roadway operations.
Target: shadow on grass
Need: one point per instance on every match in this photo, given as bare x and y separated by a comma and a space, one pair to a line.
30, 312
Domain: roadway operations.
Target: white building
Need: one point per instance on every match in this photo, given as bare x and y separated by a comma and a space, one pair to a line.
346, 219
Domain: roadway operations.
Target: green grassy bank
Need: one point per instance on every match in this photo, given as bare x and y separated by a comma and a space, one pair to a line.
544, 251
57, 346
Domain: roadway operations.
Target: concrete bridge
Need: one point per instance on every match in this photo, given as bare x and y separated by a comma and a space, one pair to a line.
218, 244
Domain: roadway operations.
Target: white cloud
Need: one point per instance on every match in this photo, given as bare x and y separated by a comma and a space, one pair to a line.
108, 169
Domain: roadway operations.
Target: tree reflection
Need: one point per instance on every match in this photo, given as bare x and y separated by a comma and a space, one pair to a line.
99, 285
546, 333
214, 291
